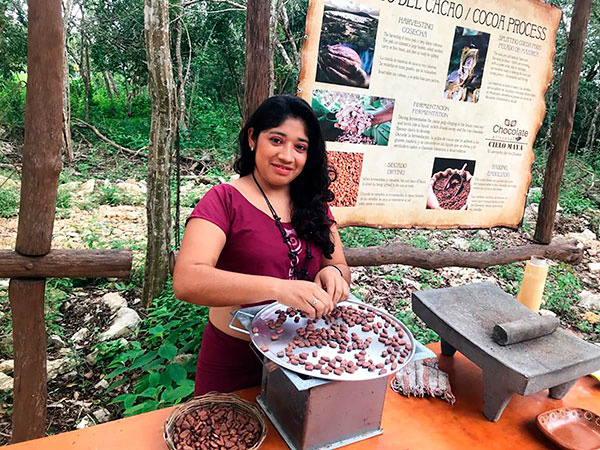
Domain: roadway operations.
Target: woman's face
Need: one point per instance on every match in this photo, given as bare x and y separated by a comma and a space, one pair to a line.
280, 152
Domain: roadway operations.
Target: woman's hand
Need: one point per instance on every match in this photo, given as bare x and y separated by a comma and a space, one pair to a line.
305, 296
330, 279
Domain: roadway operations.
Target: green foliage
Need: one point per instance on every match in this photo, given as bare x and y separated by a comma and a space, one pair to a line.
172, 328
112, 195
562, 286
510, 276
574, 200
480, 245
421, 333
366, 237
13, 37
63, 198
12, 108
420, 242
9, 201
57, 291
430, 279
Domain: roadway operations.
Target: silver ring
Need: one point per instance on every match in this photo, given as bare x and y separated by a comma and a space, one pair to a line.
314, 302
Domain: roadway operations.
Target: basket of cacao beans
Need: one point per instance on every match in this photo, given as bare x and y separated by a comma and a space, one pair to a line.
215, 421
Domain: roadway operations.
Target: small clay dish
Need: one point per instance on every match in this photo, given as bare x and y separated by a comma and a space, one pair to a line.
571, 428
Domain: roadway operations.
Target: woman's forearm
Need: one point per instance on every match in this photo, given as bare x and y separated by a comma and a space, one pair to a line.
206, 285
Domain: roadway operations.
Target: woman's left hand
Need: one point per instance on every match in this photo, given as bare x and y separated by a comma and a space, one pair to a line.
331, 281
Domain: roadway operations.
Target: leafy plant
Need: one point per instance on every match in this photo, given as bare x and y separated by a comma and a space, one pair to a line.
561, 289
111, 195
9, 201
366, 237
172, 328
421, 242
510, 276
421, 333
430, 279
479, 245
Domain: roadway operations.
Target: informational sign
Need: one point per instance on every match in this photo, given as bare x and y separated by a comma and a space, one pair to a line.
430, 107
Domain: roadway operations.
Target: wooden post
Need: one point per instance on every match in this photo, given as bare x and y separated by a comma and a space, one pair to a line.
258, 55
563, 124
33, 260
43, 127
29, 342
39, 185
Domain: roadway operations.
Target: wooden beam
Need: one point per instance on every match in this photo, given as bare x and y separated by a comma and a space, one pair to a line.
66, 264
258, 55
29, 343
563, 124
567, 250
43, 127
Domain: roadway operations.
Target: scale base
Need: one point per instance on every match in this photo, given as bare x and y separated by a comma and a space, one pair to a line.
288, 441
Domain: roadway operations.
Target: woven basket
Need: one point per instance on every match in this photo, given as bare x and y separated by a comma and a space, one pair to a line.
209, 400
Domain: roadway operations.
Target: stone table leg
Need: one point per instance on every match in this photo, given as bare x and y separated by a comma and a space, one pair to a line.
495, 397
447, 349
561, 390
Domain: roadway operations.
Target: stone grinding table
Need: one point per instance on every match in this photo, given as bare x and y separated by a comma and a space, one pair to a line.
464, 317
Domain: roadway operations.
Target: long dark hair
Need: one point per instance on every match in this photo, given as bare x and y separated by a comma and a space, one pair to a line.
309, 191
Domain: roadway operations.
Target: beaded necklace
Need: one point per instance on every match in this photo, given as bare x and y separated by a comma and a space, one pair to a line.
301, 274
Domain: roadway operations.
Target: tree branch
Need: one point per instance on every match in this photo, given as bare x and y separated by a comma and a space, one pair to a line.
567, 250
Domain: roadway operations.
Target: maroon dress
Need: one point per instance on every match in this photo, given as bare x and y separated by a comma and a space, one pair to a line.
254, 246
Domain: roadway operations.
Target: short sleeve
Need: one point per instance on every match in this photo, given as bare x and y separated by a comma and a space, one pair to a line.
215, 207
330, 215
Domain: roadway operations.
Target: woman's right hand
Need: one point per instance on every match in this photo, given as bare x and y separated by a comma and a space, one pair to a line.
301, 294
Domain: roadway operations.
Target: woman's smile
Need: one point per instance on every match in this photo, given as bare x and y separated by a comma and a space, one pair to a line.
281, 169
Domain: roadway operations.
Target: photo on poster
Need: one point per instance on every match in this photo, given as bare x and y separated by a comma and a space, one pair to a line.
450, 184
467, 61
347, 43
348, 167
353, 118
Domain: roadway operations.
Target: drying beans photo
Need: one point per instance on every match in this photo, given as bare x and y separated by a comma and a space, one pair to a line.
348, 167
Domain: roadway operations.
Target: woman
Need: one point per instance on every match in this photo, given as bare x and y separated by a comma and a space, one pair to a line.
266, 236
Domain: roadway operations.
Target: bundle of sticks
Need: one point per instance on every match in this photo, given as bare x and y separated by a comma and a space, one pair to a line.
421, 378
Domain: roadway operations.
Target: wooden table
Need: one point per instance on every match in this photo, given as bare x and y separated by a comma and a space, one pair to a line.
408, 423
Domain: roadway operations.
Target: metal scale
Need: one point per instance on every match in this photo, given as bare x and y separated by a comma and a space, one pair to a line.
316, 413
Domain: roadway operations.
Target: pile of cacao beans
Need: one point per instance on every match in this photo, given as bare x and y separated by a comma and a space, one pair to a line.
336, 335
348, 166
221, 426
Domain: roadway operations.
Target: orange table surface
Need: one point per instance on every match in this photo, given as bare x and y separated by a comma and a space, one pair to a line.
408, 423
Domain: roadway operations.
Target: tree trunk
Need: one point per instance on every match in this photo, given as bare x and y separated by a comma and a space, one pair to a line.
258, 55
563, 124
85, 66
273, 19
112, 83
68, 148
192, 92
162, 131
109, 91
180, 79
285, 23
591, 136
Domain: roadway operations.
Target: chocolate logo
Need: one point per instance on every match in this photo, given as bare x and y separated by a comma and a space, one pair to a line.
510, 128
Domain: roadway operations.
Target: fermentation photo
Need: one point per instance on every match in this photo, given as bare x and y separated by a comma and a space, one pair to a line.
347, 43
353, 118
348, 167
467, 60
450, 184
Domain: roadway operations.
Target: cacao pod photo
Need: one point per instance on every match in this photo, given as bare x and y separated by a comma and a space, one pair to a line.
347, 43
